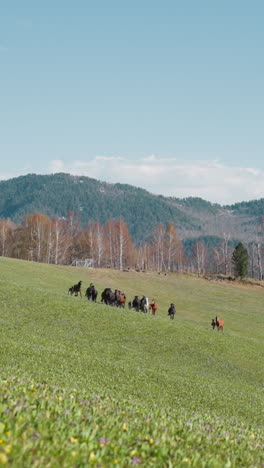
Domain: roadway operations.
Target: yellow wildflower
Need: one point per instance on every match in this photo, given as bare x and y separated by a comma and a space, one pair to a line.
2, 427
3, 458
92, 457
8, 448
125, 427
73, 454
73, 440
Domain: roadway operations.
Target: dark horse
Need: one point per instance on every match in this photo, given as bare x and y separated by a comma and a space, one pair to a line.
91, 293
172, 311
135, 304
108, 297
76, 289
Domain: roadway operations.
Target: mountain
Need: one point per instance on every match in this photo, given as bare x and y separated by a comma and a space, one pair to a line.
90, 199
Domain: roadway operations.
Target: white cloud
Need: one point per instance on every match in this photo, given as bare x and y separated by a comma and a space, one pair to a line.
56, 165
209, 180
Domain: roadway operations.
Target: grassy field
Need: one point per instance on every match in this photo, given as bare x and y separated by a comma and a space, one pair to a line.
85, 384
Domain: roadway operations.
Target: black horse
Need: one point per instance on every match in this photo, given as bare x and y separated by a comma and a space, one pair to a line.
135, 304
172, 311
108, 297
91, 293
76, 289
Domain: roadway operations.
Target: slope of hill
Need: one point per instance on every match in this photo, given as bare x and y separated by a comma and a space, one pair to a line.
157, 390
89, 199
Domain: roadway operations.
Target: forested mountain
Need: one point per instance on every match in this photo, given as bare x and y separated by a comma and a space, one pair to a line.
92, 200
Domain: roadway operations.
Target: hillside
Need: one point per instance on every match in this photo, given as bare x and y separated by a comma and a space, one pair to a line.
89, 199
95, 384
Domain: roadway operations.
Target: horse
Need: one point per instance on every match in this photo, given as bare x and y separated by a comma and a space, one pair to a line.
219, 323
122, 299
117, 294
144, 302
172, 311
108, 297
135, 304
153, 306
91, 293
76, 289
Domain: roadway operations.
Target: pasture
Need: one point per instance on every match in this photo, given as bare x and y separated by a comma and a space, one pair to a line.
88, 384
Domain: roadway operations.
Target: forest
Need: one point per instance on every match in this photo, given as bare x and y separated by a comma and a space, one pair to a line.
64, 241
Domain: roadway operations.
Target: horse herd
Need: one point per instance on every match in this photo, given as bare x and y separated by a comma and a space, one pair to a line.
118, 298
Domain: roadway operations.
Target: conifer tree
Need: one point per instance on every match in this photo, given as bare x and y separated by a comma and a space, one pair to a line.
240, 261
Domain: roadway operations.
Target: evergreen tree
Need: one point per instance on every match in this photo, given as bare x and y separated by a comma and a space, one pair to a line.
240, 260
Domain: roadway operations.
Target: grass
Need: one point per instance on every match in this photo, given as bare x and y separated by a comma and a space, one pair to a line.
173, 380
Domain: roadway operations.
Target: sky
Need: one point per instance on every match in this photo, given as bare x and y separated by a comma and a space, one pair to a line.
164, 95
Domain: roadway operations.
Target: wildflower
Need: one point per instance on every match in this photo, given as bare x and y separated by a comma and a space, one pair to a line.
2, 427
186, 460
8, 448
115, 461
133, 453
73, 440
135, 460
125, 427
73, 454
151, 441
3, 458
92, 457
102, 441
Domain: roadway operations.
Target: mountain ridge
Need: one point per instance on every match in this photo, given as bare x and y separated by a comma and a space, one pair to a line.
93, 200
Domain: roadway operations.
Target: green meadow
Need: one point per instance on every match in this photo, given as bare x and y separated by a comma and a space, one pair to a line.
86, 384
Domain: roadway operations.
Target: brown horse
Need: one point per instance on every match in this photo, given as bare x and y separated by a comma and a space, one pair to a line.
153, 306
122, 299
219, 323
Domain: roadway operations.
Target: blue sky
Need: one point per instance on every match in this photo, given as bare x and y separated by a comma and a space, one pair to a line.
163, 95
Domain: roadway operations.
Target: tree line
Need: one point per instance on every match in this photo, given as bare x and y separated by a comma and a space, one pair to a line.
63, 240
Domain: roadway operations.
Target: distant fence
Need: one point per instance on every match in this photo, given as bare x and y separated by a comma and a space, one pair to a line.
83, 262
